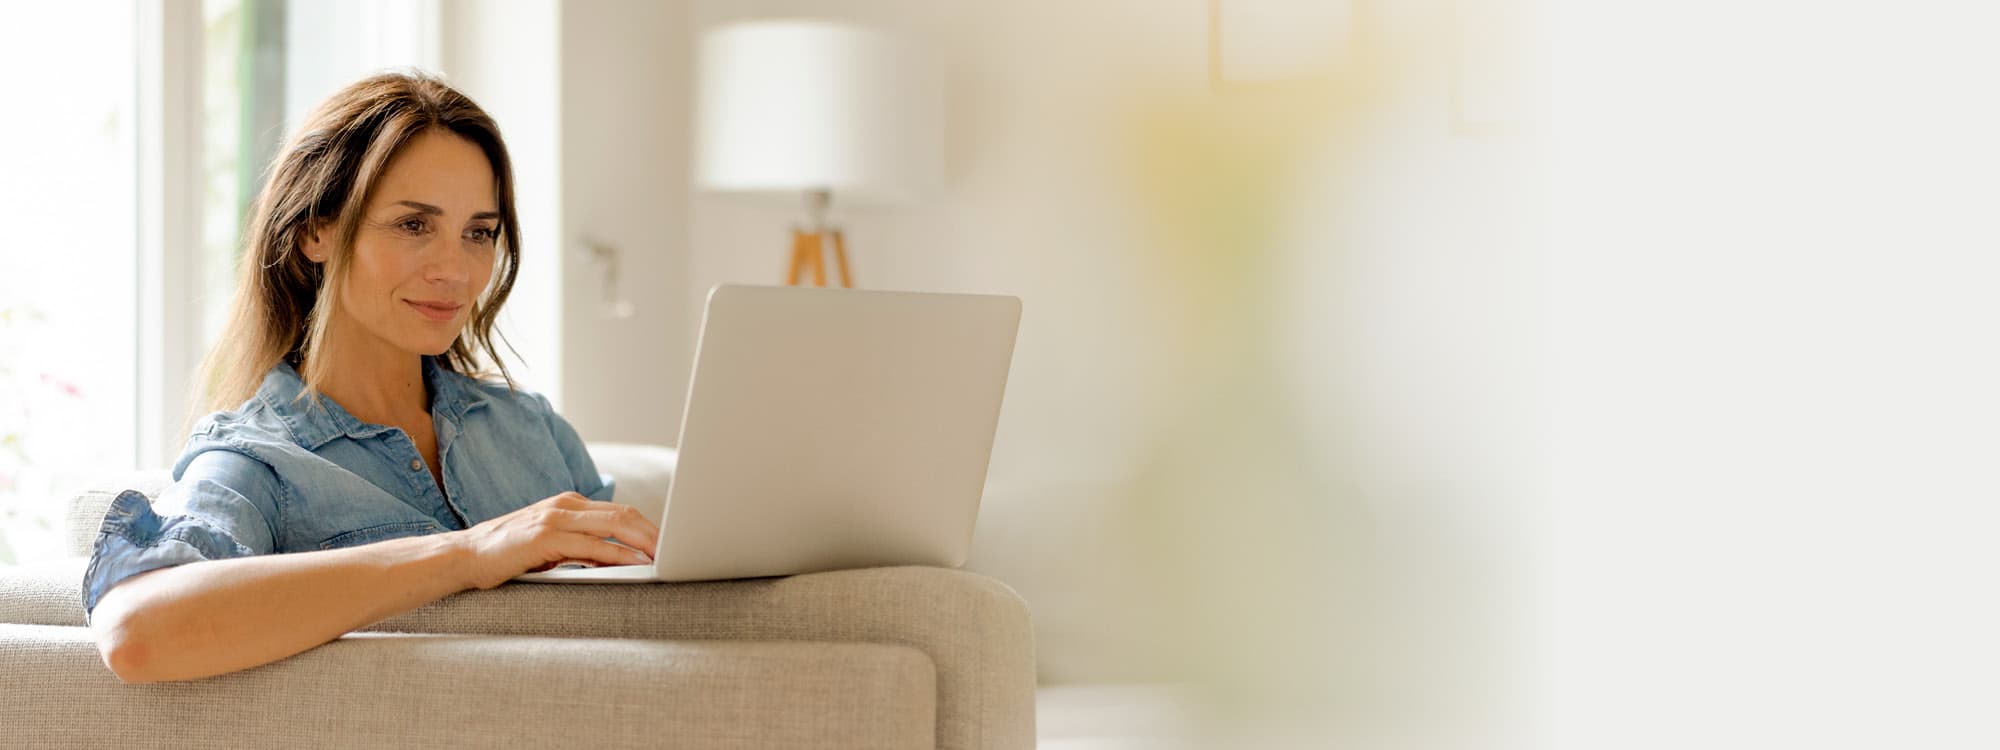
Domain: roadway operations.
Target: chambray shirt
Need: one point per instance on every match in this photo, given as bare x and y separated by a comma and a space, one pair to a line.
284, 475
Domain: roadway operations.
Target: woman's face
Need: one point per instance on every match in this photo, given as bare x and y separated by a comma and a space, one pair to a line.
424, 249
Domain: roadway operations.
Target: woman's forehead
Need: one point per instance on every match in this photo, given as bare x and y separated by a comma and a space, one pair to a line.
438, 169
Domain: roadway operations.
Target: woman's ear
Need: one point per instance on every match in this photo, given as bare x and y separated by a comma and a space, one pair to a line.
313, 244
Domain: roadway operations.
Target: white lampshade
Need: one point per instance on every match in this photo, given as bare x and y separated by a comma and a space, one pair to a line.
791, 106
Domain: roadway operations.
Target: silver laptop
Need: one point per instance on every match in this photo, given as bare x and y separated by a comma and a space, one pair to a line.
829, 429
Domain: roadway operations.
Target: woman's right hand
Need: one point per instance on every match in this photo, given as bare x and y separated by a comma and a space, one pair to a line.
568, 526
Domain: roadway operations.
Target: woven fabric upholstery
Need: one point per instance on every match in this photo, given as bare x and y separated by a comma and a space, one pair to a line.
480, 691
43, 593
974, 628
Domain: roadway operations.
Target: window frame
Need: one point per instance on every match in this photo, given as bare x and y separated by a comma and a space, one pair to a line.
169, 189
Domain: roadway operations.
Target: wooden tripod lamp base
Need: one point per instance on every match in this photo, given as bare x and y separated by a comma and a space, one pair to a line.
807, 253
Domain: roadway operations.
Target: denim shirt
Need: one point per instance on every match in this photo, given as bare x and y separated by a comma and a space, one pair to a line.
283, 475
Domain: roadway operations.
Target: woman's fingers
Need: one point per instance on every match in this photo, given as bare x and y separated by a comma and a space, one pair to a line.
586, 503
563, 527
570, 500
620, 522
586, 547
576, 503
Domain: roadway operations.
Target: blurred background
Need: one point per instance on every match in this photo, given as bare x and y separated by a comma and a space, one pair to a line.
1414, 373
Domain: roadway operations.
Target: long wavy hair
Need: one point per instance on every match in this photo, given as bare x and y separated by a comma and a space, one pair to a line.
321, 181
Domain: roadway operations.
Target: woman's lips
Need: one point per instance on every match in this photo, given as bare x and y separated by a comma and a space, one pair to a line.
438, 311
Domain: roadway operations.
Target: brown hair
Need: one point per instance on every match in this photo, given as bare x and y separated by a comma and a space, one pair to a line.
321, 181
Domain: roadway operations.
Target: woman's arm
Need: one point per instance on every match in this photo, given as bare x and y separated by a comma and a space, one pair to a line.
218, 616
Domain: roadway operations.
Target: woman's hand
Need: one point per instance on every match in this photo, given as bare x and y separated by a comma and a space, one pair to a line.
568, 526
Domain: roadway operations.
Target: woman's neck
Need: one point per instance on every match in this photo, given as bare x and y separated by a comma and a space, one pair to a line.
378, 384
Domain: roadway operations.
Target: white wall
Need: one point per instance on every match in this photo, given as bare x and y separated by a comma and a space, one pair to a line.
1773, 313
509, 62
592, 96
625, 97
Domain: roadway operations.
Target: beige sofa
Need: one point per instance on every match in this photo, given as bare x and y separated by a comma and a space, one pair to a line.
875, 658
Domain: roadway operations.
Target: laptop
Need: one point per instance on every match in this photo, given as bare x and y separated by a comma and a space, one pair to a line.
829, 429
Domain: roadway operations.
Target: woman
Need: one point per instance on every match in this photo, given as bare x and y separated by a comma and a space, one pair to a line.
354, 468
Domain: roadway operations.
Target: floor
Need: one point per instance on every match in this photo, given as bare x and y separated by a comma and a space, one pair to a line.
1110, 717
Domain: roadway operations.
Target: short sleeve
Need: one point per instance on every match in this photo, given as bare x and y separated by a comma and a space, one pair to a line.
582, 469
223, 506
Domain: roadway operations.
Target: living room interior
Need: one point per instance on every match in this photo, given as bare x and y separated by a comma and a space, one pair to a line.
1399, 374
1230, 368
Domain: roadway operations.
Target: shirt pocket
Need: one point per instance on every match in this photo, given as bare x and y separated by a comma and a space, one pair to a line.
382, 532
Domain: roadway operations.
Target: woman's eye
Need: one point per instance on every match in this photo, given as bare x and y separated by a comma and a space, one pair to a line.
412, 226
482, 234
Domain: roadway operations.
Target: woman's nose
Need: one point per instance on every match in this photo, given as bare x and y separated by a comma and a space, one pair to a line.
444, 263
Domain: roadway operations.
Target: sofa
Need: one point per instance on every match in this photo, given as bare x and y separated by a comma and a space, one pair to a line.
890, 657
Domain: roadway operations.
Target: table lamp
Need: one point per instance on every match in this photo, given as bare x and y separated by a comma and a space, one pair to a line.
795, 109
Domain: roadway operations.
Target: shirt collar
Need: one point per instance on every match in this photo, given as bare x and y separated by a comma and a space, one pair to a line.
313, 422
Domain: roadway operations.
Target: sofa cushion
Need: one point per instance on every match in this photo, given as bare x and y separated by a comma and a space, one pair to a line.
379, 690
643, 473
84, 513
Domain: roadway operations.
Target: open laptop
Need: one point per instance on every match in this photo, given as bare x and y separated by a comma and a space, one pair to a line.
829, 429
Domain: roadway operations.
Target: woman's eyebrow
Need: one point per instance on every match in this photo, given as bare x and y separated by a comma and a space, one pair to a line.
430, 210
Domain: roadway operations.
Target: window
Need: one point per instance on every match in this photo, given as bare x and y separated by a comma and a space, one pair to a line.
124, 186
68, 307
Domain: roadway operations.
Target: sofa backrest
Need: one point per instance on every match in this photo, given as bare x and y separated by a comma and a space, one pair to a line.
84, 512
1068, 548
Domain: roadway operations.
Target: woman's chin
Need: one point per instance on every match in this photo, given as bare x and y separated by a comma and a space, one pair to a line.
433, 348
429, 340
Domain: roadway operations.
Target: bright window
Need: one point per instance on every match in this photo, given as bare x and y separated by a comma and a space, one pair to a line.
68, 333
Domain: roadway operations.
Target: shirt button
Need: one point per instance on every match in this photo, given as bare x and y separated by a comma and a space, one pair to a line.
416, 464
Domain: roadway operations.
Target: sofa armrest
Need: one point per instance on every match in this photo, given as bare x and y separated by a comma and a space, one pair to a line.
480, 691
974, 628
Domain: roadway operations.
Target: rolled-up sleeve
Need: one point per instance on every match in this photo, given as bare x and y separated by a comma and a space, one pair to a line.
582, 469
224, 505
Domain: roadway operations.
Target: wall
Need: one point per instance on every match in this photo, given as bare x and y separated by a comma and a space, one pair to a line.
509, 62
592, 97
1774, 313
625, 93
